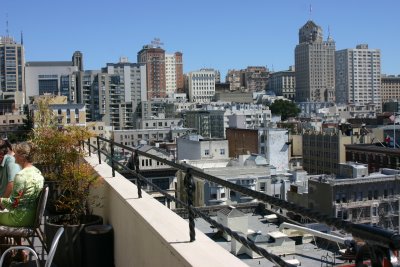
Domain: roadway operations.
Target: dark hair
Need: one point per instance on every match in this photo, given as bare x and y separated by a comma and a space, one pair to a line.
4, 147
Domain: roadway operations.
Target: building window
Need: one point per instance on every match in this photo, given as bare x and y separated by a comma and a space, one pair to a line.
262, 187
206, 152
222, 151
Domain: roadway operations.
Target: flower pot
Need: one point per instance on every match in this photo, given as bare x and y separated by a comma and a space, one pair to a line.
70, 246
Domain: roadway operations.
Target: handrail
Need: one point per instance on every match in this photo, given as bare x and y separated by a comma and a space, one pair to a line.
246, 242
371, 235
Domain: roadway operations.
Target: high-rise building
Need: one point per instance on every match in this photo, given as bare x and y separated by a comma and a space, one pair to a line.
77, 60
201, 85
180, 80
133, 78
315, 65
153, 57
283, 83
12, 61
358, 76
104, 97
174, 73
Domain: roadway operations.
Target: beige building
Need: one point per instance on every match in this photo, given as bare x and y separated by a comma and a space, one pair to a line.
315, 65
10, 123
66, 114
358, 197
390, 88
323, 151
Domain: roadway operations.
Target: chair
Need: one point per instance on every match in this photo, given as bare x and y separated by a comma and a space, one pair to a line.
29, 233
50, 256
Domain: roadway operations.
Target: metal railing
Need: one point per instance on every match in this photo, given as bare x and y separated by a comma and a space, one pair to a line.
372, 236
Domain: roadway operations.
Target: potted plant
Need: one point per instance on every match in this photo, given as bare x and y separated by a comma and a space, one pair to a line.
60, 158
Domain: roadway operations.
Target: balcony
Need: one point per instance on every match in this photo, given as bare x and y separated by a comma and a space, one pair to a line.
147, 233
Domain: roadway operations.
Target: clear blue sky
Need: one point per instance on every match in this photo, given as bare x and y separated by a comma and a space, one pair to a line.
219, 34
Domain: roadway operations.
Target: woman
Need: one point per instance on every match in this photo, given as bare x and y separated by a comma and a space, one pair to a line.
8, 168
28, 183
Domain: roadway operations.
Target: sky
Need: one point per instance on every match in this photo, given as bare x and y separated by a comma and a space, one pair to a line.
217, 34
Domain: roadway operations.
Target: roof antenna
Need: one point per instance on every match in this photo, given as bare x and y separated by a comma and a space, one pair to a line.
7, 33
329, 32
310, 11
22, 38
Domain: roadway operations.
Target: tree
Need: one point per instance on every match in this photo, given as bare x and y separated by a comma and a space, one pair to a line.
284, 108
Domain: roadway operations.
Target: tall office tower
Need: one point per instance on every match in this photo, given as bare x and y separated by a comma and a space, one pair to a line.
174, 73
12, 61
358, 76
103, 96
315, 65
180, 80
77, 60
153, 57
133, 79
201, 85
283, 83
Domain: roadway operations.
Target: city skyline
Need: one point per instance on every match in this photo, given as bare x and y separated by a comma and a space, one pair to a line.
211, 34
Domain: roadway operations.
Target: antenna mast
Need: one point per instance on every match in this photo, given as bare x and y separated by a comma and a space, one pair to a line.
7, 33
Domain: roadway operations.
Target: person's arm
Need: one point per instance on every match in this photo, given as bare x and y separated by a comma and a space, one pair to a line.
9, 189
12, 202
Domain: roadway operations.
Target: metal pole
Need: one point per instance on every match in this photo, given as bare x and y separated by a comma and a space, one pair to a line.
190, 187
98, 149
112, 158
137, 169
90, 152
394, 131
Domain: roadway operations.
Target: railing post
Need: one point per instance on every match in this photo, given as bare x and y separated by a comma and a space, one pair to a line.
137, 170
190, 187
112, 158
98, 149
90, 152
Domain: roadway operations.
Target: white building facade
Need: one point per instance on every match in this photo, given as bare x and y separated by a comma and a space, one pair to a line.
170, 73
195, 147
201, 85
51, 77
358, 76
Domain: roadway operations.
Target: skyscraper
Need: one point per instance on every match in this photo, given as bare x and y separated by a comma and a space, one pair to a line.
153, 57
315, 65
358, 76
77, 60
12, 60
174, 73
